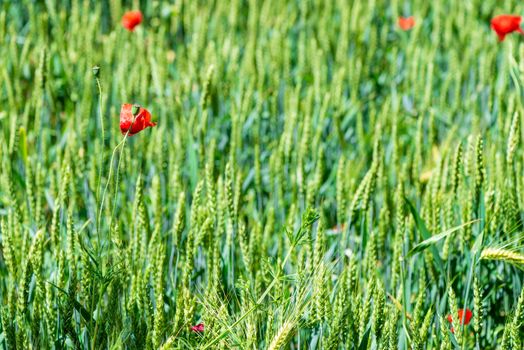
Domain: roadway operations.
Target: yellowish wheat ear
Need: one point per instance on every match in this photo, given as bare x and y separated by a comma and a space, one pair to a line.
502, 255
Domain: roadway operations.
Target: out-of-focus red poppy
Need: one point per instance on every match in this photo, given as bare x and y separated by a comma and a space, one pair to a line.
131, 19
337, 229
199, 328
134, 124
406, 23
506, 24
464, 319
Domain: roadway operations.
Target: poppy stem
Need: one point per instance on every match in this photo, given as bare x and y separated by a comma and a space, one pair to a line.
121, 144
117, 179
99, 85
135, 111
96, 73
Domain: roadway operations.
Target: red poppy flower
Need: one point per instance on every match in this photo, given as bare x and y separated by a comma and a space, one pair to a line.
132, 123
199, 328
406, 23
131, 19
464, 319
506, 24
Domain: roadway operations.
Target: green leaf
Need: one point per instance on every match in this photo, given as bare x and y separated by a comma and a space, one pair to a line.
434, 239
365, 338
424, 232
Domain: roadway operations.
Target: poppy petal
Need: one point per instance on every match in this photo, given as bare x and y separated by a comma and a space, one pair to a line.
131, 19
132, 125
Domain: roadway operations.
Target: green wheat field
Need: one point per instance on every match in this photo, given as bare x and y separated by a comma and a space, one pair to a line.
319, 176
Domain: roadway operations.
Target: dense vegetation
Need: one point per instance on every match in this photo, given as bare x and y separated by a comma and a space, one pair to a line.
318, 178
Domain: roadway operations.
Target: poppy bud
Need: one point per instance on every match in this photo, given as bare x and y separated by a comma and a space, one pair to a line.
96, 71
135, 109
